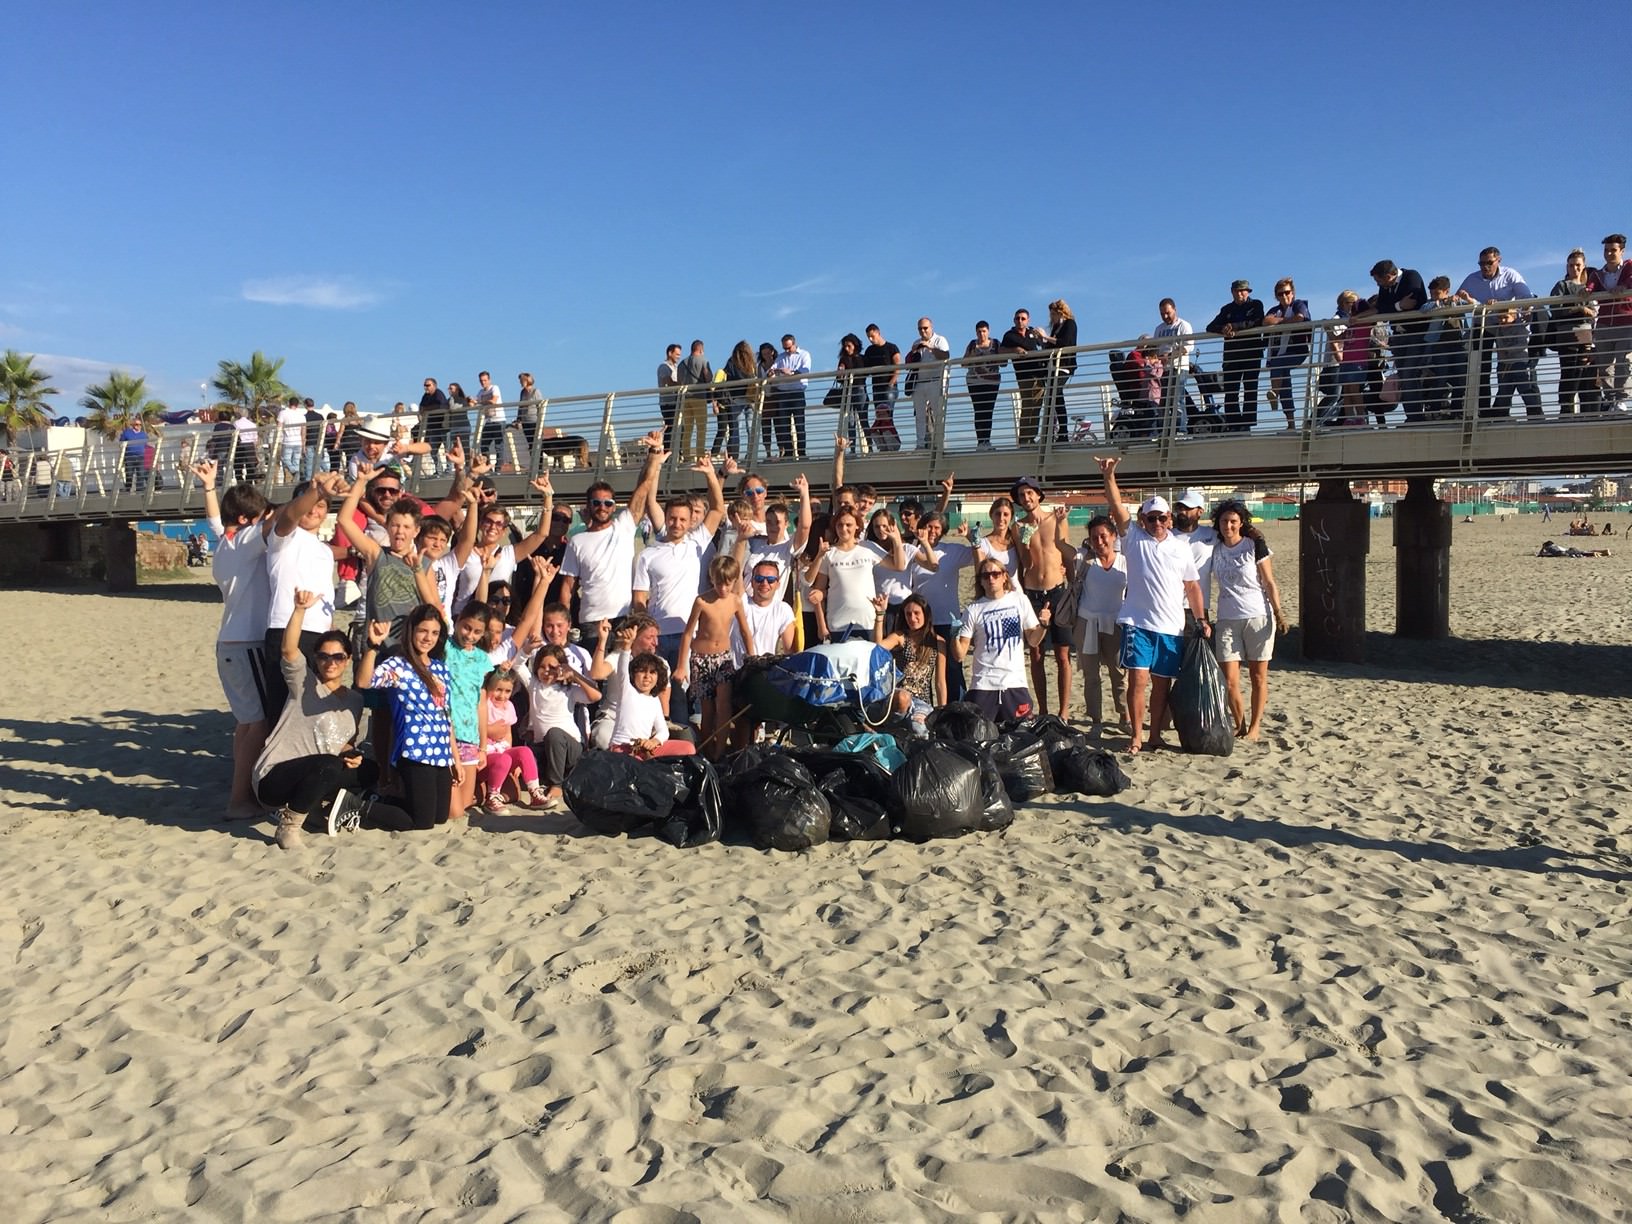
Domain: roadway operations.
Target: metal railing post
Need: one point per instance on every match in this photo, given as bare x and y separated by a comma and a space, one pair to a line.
607, 440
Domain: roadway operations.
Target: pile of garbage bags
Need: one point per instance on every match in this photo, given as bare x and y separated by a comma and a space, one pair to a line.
965, 778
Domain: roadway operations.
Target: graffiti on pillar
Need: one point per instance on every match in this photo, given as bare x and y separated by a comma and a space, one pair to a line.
1325, 570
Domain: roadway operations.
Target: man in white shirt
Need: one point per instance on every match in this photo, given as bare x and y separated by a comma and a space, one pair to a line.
1494, 283
1175, 355
1161, 581
669, 572
928, 357
1200, 537
770, 618
292, 440
297, 560
599, 561
788, 389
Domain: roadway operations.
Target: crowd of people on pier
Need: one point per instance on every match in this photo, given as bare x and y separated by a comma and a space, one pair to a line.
1414, 345
493, 658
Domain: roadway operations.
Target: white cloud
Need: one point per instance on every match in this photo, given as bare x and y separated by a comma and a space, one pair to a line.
316, 292
824, 283
71, 375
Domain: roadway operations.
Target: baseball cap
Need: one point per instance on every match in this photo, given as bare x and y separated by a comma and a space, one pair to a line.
1154, 505
1025, 482
1192, 499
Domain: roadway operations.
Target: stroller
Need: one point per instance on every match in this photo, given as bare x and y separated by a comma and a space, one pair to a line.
820, 695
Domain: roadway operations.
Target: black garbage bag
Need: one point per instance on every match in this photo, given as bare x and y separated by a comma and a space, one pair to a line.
1088, 771
857, 789
779, 805
698, 816
937, 793
960, 722
614, 793
1201, 712
996, 812
1023, 762
1054, 731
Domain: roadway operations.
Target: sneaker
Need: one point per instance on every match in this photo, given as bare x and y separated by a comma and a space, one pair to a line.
495, 802
346, 812
983, 446
537, 798
1272, 398
288, 834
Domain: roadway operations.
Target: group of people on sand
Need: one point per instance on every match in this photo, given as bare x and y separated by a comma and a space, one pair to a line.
490, 659
1581, 526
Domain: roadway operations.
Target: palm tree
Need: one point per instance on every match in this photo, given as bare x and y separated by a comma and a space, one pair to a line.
24, 390
254, 386
116, 403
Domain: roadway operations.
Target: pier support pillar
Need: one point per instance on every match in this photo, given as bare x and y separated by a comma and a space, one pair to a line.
119, 556
1422, 563
1334, 536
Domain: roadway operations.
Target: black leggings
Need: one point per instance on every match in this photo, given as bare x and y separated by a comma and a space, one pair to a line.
305, 784
426, 790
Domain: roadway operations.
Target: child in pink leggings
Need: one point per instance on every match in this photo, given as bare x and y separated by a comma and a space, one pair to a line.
503, 755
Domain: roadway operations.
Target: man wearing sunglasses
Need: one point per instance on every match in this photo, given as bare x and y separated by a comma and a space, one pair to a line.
599, 563
1162, 580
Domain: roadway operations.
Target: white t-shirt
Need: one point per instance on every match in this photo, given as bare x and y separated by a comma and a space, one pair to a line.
640, 716
603, 564
299, 561
249, 436
1100, 602
293, 421
670, 574
1009, 558
240, 572
504, 569
849, 599
1157, 572
940, 587
766, 622
996, 629
894, 584
449, 575
1240, 594
1201, 542
504, 654
553, 705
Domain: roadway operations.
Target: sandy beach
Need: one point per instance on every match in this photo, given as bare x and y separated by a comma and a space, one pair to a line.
1375, 968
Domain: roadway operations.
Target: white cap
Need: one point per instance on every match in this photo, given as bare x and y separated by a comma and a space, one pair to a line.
1193, 499
1155, 505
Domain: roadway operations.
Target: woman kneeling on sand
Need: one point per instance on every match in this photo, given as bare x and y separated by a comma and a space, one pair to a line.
311, 763
1249, 613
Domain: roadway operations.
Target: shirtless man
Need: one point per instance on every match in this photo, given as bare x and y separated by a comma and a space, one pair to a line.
1046, 563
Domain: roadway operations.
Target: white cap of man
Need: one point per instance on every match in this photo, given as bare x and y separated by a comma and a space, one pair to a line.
1192, 499
1155, 505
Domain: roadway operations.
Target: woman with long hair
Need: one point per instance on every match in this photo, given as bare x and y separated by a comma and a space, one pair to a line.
849, 391
920, 653
1570, 334
424, 755
1002, 542
1062, 334
730, 440
843, 589
762, 401
1248, 613
459, 418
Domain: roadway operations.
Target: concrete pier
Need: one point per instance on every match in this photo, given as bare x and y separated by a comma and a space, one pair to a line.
1334, 536
1422, 563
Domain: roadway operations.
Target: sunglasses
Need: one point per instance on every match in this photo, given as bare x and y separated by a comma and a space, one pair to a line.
765, 579
602, 501
325, 656
1155, 518
493, 599
391, 489
994, 573
754, 490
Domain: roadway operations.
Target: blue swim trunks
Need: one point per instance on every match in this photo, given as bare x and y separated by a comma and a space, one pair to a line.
1158, 653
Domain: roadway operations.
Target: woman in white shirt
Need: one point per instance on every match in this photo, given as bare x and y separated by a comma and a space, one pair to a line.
1248, 611
1002, 542
843, 589
999, 627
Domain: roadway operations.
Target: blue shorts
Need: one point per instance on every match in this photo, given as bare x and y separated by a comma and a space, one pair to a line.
1147, 650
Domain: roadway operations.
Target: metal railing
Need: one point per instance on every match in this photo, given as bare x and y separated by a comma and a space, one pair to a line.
1447, 405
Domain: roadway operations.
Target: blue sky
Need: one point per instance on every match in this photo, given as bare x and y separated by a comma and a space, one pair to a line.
377, 192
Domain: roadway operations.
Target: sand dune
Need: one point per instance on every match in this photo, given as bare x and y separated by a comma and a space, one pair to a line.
1376, 968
